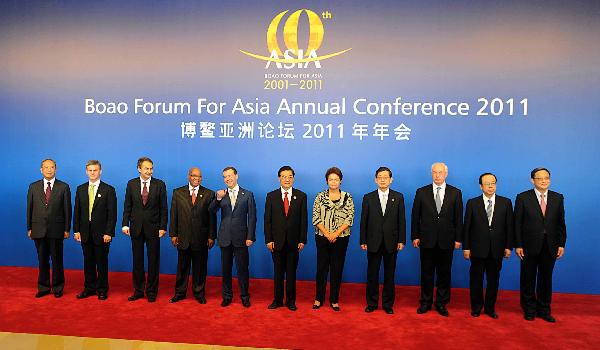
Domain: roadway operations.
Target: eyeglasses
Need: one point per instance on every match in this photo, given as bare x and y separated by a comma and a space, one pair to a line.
287, 177
546, 178
489, 184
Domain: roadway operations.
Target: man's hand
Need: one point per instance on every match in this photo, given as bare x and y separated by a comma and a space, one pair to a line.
416, 243
248, 242
271, 246
125, 230
220, 194
400, 246
211, 243
77, 236
506, 253
161, 233
29, 234
107, 238
519, 252
456, 245
467, 254
363, 246
66, 235
175, 241
300, 246
560, 253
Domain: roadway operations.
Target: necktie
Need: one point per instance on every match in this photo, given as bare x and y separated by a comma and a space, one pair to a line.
543, 204
286, 203
145, 193
91, 200
438, 200
489, 211
384, 200
48, 192
193, 196
233, 198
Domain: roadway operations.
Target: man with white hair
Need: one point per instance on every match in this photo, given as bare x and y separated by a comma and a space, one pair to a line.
436, 227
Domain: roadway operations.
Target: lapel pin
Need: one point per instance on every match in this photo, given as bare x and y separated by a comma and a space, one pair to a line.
200, 196
242, 193
294, 197
99, 195
392, 199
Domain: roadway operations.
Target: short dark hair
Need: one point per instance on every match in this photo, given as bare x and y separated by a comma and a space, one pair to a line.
48, 160
382, 169
144, 159
286, 168
93, 162
334, 170
230, 168
484, 174
539, 169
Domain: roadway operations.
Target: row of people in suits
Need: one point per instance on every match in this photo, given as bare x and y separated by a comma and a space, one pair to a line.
490, 231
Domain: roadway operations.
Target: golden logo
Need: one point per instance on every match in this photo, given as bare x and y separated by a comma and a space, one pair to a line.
293, 54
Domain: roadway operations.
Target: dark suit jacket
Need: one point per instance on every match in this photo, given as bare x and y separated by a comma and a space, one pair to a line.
193, 224
531, 225
479, 236
54, 219
377, 228
238, 225
153, 216
282, 229
430, 227
104, 213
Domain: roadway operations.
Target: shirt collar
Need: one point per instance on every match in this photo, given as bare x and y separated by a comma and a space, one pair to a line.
539, 194
51, 181
442, 186
381, 193
94, 183
289, 191
192, 188
142, 180
485, 199
236, 189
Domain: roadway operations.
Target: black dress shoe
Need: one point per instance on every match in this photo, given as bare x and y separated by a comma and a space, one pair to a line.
492, 314
226, 302
246, 303
292, 307
58, 294
84, 294
42, 294
102, 296
475, 313
441, 309
548, 318
274, 305
176, 298
423, 309
315, 306
335, 308
370, 308
529, 317
201, 299
135, 297
388, 310
152, 298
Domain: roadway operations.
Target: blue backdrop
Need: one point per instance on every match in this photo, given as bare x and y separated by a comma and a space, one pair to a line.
55, 55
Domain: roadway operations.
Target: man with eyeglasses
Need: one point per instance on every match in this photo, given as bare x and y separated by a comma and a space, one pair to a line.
286, 224
487, 232
540, 237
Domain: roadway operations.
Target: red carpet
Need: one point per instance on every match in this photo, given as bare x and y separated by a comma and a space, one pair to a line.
577, 327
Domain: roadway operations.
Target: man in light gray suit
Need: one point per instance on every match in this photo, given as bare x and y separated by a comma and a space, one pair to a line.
236, 233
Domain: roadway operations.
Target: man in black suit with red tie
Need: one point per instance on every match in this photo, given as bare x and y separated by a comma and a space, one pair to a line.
94, 220
382, 235
540, 237
145, 220
286, 224
436, 228
487, 233
48, 225
193, 229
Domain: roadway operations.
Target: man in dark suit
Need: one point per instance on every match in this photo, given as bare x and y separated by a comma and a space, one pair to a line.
193, 229
236, 233
145, 220
94, 220
382, 235
48, 224
487, 233
540, 237
436, 228
286, 224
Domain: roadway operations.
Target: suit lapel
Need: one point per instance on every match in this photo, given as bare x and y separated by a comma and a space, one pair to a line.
99, 194
42, 189
431, 197
481, 208
533, 197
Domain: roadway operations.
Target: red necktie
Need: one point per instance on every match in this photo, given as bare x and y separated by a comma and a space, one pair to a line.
145, 193
48, 192
286, 203
193, 196
543, 204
